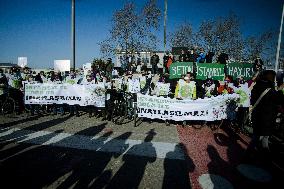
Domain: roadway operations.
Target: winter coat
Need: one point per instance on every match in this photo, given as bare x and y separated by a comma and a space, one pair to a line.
264, 114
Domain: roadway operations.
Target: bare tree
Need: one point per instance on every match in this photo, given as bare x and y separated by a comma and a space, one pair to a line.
133, 30
222, 35
183, 36
263, 45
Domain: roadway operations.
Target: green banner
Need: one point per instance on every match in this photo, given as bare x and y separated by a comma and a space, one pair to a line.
177, 69
212, 70
238, 69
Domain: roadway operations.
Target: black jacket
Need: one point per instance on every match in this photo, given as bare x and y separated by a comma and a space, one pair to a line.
264, 114
155, 59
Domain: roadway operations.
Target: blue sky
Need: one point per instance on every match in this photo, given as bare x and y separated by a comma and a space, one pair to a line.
40, 29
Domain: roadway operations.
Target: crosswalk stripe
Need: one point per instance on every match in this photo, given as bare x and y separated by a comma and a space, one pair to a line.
101, 144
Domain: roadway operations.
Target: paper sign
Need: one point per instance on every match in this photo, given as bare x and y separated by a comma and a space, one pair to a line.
22, 61
61, 65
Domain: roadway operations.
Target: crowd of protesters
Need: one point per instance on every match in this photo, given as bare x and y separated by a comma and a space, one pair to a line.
265, 105
106, 73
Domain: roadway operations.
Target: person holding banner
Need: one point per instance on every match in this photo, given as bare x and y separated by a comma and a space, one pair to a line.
225, 87
209, 88
57, 78
242, 89
186, 88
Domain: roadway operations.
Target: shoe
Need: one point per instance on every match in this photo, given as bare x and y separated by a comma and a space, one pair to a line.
167, 123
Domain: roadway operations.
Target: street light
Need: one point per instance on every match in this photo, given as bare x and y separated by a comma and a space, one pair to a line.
73, 33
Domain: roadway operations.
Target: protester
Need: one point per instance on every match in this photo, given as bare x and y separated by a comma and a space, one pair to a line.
108, 68
165, 61
168, 63
38, 78
191, 56
210, 89
209, 57
57, 79
186, 87
258, 63
154, 62
225, 87
264, 111
201, 56
182, 56
3, 80
223, 58
242, 89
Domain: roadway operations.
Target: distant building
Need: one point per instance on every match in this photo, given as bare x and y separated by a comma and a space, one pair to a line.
144, 57
7, 66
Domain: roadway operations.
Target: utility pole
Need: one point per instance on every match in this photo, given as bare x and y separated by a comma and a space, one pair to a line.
165, 25
73, 34
279, 42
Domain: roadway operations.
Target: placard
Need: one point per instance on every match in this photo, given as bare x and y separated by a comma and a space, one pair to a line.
61, 65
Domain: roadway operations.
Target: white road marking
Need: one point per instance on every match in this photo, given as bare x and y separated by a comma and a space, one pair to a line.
97, 143
211, 181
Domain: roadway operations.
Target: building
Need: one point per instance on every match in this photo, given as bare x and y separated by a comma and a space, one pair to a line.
144, 57
7, 66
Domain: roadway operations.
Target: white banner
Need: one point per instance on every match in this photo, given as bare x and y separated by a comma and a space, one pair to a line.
83, 95
208, 109
61, 65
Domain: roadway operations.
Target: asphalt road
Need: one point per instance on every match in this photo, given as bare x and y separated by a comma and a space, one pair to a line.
82, 152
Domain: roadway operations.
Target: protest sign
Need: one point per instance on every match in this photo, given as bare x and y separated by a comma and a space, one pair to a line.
83, 95
214, 71
240, 69
133, 86
142, 82
178, 69
187, 90
162, 89
87, 67
208, 109
22, 61
61, 65
244, 93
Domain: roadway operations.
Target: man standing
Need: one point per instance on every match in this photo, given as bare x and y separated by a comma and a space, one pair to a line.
265, 111
108, 68
201, 57
182, 56
154, 62
258, 63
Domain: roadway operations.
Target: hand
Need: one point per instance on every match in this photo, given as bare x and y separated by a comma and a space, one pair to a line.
281, 87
